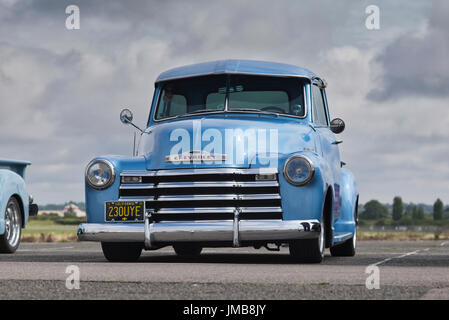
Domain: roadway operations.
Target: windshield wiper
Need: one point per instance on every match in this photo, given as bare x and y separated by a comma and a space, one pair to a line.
253, 110
230, 110
198, 111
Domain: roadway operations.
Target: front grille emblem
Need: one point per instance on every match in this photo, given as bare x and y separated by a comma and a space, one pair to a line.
197, 156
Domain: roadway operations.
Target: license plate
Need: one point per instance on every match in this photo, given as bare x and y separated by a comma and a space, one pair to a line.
124, 210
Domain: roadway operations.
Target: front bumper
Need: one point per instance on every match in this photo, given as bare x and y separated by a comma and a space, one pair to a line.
200, 231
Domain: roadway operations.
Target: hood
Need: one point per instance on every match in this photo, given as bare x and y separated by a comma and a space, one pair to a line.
231, 140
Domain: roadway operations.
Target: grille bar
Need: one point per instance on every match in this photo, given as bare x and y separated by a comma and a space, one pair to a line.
219, 210
201, 184
217, 171
141, 186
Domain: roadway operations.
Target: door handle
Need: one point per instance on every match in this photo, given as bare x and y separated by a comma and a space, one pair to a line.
337, 142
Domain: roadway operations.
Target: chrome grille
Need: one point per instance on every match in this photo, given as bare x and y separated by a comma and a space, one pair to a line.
206, 194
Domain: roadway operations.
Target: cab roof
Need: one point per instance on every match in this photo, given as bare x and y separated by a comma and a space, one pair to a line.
236, 66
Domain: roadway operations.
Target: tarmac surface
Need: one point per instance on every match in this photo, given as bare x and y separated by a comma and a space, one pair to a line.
406, 270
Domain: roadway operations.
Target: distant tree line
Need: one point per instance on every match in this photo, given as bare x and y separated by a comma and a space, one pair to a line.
407, 214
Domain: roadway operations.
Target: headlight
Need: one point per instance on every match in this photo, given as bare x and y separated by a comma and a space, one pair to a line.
100, 174
299, 170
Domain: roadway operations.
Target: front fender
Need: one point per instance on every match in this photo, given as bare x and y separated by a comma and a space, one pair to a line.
305, 202
95, 199
12, 184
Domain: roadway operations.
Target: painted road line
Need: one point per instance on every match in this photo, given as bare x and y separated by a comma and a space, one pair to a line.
399, 257
405, 255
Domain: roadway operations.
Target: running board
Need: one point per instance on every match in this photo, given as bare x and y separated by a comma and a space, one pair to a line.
342, 237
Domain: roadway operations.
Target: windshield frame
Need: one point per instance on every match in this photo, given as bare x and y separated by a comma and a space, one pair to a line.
226, 103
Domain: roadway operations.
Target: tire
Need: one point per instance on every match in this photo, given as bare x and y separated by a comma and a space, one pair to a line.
346, 249
121, 252
10, 240
187, 250
309, 250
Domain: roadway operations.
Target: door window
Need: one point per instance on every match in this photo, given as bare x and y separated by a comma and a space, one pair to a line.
319, 108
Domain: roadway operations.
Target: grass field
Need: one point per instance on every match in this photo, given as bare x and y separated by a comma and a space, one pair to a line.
401, 235
48, 231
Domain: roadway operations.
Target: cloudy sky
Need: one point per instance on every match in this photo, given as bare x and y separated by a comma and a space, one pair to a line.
61, 90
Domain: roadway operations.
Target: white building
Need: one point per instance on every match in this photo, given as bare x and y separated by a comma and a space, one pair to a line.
72, 208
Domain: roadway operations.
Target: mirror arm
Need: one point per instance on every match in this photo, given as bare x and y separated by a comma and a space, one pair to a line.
141, 131
134, 144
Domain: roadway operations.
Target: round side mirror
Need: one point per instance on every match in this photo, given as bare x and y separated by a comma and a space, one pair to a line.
337, 125
126, 116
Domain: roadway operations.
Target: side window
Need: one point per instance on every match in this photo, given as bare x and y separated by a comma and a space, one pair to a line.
319, 108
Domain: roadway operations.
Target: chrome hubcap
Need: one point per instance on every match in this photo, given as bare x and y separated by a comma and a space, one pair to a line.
12, 224
321, 238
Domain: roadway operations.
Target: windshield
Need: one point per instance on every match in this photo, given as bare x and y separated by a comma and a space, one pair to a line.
237, 92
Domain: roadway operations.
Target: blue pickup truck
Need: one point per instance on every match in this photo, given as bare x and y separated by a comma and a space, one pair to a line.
16, 205
235, 153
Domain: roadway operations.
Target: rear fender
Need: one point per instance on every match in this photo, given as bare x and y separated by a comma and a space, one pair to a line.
349, 198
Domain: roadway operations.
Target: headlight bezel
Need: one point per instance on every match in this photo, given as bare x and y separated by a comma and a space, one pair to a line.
310, 165
109, 165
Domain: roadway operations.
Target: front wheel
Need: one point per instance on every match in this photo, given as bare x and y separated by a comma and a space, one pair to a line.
10, 240
121, 252
309, 250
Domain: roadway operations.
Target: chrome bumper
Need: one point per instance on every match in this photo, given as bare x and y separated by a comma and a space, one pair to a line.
199, 231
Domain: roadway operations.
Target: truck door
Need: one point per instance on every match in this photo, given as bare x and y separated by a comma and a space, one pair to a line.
329, 145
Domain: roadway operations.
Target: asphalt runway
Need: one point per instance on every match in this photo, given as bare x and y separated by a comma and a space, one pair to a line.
407, 270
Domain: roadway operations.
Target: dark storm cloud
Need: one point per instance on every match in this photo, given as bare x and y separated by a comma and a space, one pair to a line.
192, 28
417, 64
